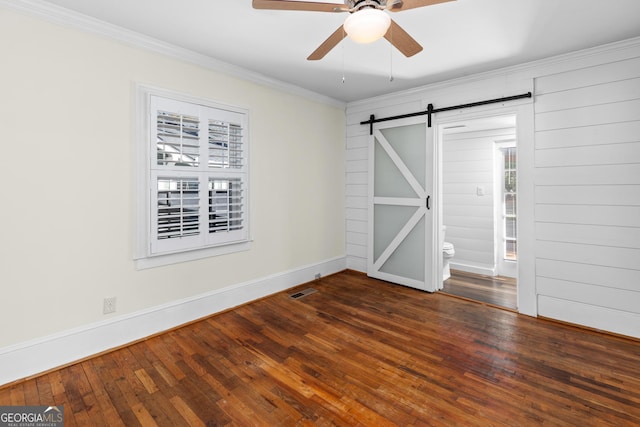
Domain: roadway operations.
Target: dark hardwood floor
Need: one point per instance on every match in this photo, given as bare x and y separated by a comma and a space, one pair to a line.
358, 351
498, 290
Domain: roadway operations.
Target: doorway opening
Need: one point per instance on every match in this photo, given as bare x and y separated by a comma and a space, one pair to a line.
478, 216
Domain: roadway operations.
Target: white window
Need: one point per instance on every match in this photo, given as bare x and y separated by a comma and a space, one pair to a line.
193, 177
509, 215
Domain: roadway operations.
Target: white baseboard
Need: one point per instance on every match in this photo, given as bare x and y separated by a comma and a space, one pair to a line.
602, 318
486, 271
30, 358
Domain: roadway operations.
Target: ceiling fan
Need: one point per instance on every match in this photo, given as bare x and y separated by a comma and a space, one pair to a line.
368, 21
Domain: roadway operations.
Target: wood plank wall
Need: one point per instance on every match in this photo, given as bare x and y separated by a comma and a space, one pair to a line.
586, 214
356, 193
468, 163
587, 192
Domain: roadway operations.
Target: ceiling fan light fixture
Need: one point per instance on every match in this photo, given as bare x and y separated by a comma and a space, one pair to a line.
367, 25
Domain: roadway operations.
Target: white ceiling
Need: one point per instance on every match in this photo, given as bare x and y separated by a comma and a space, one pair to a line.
459, 38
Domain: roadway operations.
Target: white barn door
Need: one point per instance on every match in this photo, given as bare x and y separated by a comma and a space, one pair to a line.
401, 204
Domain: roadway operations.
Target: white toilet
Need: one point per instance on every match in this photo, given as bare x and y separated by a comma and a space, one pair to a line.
447, 253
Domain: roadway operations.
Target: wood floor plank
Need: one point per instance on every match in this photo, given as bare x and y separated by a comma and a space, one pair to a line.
161, 347
359, 351
146, 381
57, 389
105, 406
152, 365
143, 415
72, 381
5, 395
31, 394
228, 400
45, 394
113, 384
497, 290
187, 413
16, 395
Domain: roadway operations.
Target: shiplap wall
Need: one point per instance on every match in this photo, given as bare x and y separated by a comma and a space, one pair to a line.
468, 163
581, 216
587, 192
356, 196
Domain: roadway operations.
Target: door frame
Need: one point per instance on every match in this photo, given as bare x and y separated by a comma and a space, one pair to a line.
524, 113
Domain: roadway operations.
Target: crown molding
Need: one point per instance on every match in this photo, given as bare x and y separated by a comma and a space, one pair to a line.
68, 18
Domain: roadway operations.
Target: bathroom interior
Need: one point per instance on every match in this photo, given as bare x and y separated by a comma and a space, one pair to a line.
479, 216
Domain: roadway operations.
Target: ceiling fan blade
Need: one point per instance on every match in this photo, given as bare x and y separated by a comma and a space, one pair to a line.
402, 40
412, 4
328, 44
298, 5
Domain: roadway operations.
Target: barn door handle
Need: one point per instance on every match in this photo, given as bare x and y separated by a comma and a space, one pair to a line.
428, 197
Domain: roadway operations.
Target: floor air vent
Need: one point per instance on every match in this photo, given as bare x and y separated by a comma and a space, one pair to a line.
303, 293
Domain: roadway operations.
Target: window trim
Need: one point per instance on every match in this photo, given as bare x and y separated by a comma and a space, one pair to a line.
142, 174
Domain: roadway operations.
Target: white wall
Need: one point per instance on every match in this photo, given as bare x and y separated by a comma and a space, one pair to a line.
468, 161
588, 195
66, 114
579, 170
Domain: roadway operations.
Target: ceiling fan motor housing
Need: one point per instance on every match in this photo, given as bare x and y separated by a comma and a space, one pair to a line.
355, 5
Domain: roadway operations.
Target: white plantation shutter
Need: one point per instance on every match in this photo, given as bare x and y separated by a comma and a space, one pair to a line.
178, 207
225, 145
177, 139
176, 222
226, 205
197, 175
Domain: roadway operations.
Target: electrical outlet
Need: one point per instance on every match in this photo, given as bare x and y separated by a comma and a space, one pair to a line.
109, 305
318, 275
